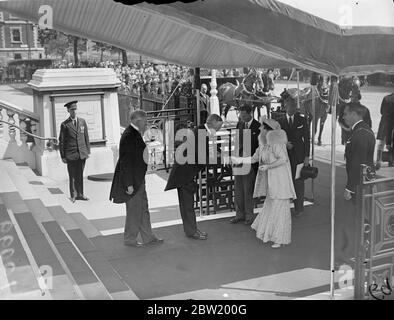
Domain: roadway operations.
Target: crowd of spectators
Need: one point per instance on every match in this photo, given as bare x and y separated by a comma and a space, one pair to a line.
151, 78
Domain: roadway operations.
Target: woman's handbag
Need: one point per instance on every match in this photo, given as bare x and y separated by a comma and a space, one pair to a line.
309, 172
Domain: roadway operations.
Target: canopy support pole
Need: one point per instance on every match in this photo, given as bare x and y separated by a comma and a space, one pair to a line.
298, 90
333, 170
197, 91
291, 76
313, 91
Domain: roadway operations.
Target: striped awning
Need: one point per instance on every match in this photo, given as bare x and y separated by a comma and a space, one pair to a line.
232, 33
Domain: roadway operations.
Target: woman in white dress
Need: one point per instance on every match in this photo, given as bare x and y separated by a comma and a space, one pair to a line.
274, 181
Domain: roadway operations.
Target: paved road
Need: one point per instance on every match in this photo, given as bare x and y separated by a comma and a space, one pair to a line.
19, 95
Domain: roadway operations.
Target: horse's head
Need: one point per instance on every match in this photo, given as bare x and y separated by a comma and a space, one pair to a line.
349, 88
323, 87
252, 80
356, 92
268, 79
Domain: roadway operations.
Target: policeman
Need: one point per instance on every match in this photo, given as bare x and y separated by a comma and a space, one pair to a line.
74, 149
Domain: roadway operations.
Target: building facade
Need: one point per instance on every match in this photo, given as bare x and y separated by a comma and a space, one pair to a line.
18, 39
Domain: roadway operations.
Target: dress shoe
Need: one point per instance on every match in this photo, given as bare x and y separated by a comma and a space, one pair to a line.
236, 220
72, 199
198, 236
276, 246
202, 233
298, 214
154, 242
83, 198
133, 244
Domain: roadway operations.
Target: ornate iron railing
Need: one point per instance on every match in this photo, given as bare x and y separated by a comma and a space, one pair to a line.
374, 267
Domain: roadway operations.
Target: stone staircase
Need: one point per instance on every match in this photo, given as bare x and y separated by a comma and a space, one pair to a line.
47, 251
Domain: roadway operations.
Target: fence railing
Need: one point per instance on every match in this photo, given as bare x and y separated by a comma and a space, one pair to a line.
150, 102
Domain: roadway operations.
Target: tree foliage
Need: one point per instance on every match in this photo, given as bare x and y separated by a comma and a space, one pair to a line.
59, 43
103, 47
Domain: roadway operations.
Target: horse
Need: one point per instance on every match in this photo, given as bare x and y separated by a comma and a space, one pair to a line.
254, 86
348, 90
264, 97
305, 97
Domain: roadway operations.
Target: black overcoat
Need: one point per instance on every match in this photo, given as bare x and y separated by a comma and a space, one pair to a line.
299, 136
131, 167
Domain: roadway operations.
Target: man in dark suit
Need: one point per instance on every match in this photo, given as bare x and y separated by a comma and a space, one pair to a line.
360, 146
128, 185
244, 181
74, 149
187, 166
298, 147
204, 98
346, 131
359, 150
386, 129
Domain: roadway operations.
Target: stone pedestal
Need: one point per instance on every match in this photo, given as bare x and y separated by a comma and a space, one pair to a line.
96, 92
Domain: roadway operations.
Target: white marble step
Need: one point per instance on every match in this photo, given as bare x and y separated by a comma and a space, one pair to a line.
49, 200
6, 184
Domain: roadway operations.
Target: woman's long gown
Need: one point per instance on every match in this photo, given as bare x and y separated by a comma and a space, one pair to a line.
273, 223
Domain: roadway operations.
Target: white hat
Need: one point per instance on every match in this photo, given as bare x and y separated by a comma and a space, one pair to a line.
271, 123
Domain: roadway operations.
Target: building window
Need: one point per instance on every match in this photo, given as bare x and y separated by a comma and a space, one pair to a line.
16, 35
17, 56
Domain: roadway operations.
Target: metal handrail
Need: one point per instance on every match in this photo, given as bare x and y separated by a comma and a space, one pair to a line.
168, 110
52, 142
267, 99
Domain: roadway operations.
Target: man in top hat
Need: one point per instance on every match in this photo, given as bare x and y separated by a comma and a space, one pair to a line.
74, 149
298, 146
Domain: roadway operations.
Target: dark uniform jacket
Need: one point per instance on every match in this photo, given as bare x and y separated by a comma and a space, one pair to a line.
386, 125
74, 140
359, 150
254, 143
182, 174
131, 167
346, 134
299, 135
